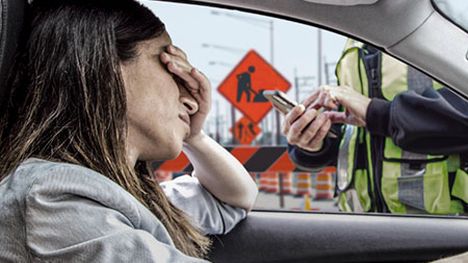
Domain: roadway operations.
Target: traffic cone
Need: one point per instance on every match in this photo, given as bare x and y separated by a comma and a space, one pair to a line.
324, 184
307, 203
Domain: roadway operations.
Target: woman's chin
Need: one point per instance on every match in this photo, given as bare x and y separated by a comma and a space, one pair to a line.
173, 151
167, 149
174, 155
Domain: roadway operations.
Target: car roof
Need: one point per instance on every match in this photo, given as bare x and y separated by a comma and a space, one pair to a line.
413, 31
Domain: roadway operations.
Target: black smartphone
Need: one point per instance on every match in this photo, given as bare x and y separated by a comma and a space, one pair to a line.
284, 104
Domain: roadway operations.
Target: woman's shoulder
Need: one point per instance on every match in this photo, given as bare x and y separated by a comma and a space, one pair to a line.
32, 170
36, 179
35, 167
54, 174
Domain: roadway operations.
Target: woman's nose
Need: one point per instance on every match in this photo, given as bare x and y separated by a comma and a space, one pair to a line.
189, 103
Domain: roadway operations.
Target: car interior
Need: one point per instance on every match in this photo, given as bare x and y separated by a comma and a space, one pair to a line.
280, 236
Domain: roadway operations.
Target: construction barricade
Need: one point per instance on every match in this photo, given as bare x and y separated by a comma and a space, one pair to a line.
272, 170
254, 158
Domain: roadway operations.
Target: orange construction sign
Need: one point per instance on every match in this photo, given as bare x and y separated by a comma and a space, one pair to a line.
245, 131
244, 85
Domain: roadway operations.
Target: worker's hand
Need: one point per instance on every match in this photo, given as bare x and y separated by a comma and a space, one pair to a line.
306, 127
330, 97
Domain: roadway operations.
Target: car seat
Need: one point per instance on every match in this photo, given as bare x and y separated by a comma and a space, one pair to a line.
12, 13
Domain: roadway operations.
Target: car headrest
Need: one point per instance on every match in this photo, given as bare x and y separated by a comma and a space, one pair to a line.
12, 14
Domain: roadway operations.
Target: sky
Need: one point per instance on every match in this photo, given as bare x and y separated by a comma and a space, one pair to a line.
456, 10
217, 39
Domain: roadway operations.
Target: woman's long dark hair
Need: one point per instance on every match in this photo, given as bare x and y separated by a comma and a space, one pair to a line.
66, 99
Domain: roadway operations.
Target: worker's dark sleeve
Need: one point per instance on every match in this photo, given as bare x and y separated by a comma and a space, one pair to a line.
433, 122
327, 156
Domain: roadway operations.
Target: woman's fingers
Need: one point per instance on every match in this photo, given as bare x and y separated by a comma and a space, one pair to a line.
184, 74
176, 51
181, 69
204, 92
193, 80
205, 84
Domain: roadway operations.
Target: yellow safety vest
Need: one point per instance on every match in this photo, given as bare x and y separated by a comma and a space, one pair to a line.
404, 182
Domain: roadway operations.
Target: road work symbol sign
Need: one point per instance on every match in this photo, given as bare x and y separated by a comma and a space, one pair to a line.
245, 131
244, 85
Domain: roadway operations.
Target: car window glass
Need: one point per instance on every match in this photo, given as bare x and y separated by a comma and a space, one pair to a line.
456, 10
234, 49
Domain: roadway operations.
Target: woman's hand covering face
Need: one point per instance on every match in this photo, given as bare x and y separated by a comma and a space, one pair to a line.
192, 81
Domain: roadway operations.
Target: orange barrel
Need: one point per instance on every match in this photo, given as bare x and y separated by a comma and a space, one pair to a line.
303, 184
324, 184
272, 183
287, 183
263, 182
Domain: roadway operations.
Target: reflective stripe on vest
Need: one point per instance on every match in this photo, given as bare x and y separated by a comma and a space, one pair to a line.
410, 185
357, 198
349, 202
348, 67
346, 158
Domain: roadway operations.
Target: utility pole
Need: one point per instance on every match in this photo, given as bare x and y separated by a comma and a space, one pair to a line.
319, 56
328, 66
272, 43
327, 77
300, 81
296, 84
233, 124
217, 137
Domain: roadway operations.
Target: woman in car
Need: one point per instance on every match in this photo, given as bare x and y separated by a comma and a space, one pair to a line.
97, 89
